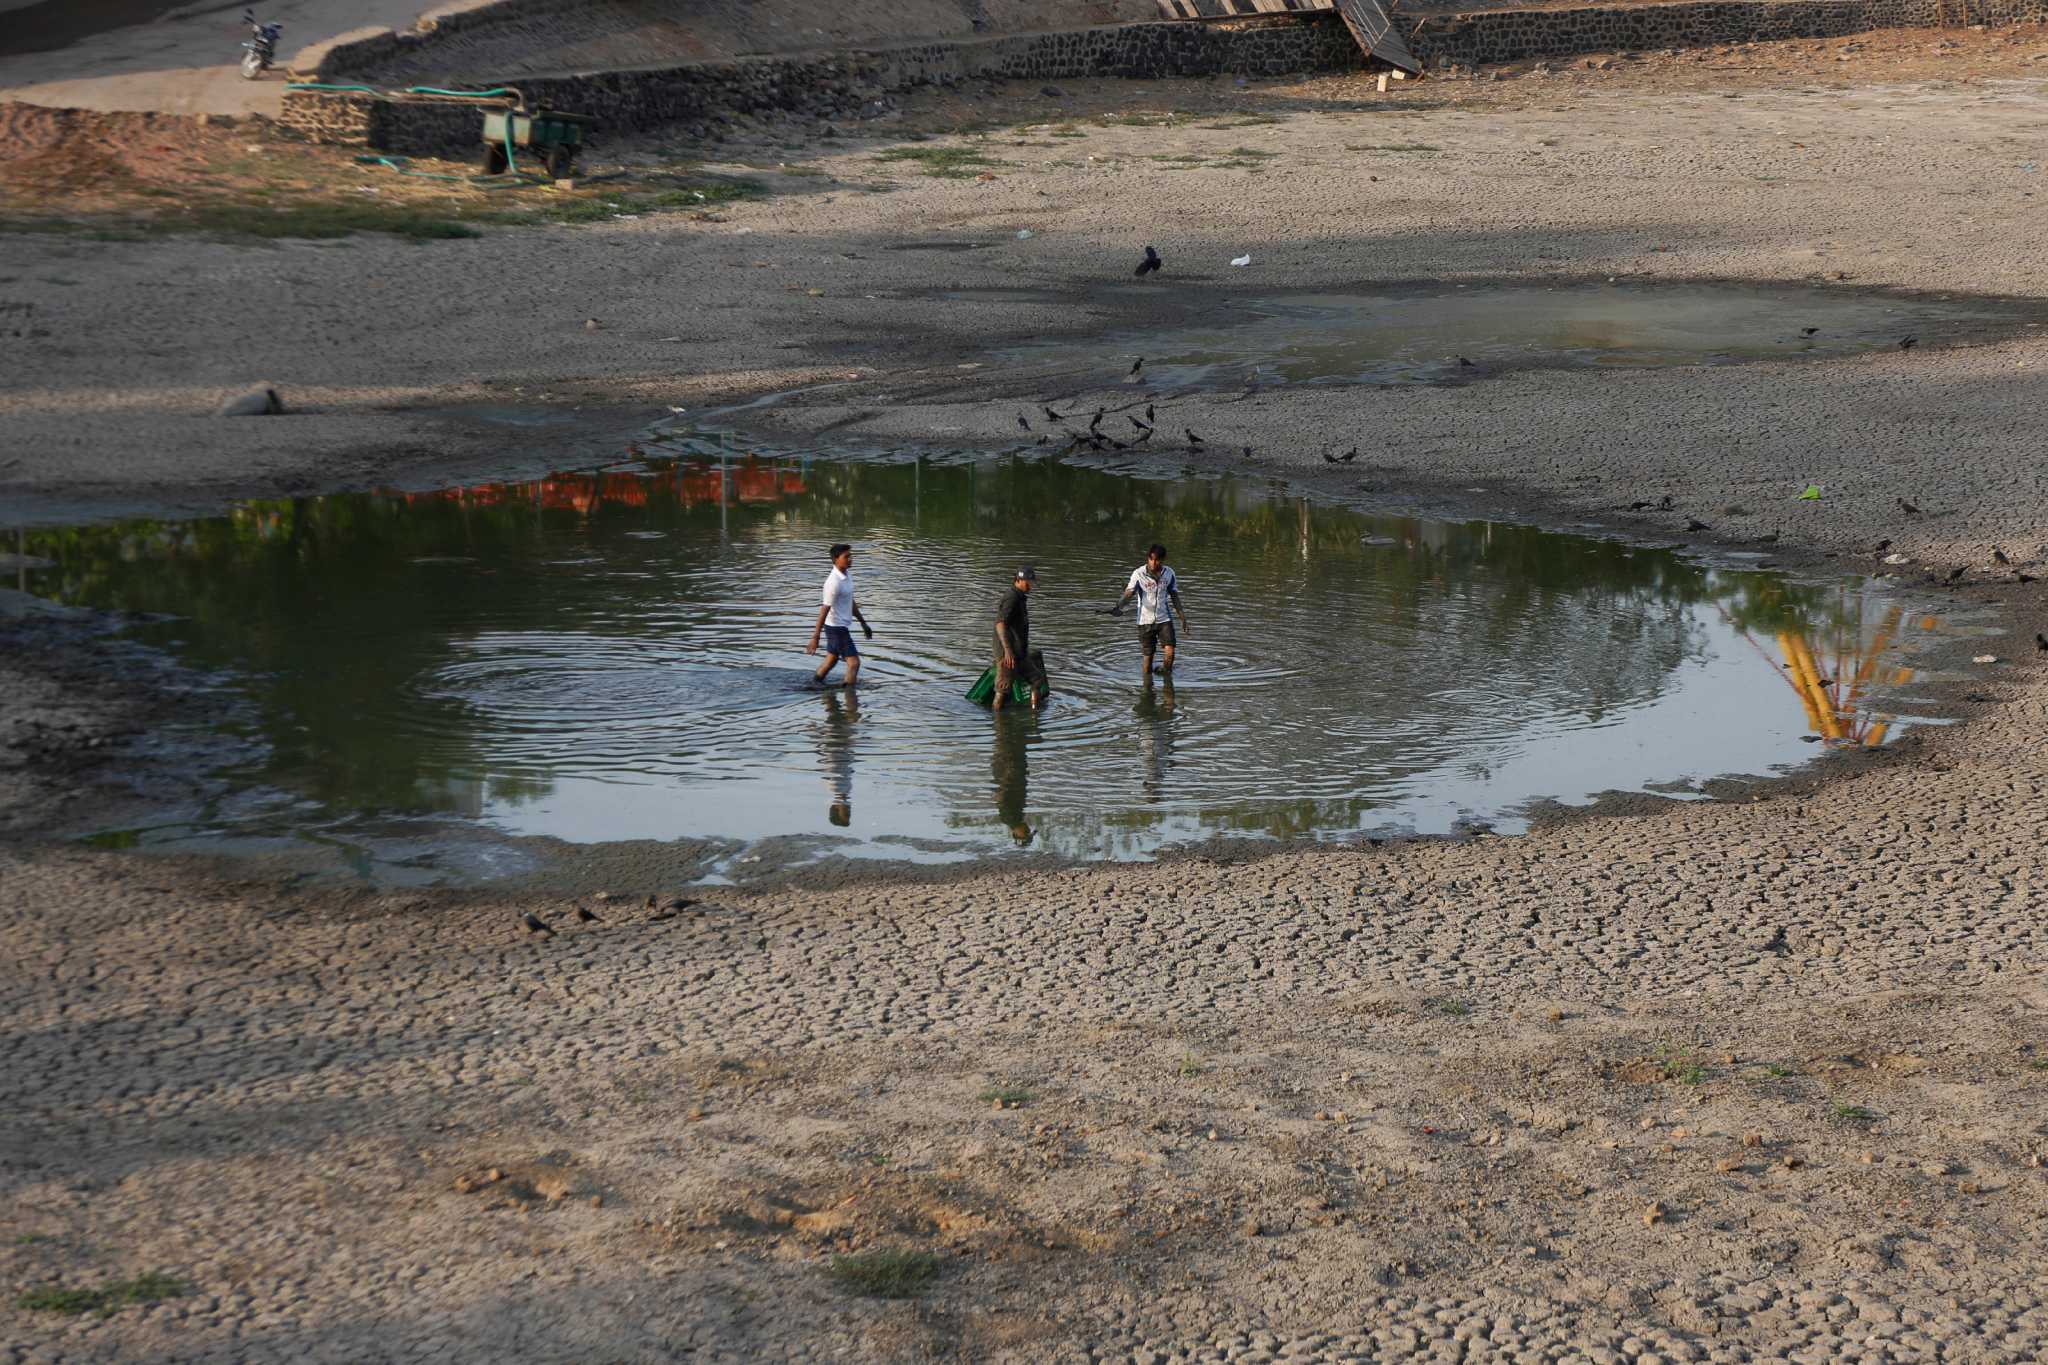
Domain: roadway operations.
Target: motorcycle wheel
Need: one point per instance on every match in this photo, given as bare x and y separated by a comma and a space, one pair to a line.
252, 66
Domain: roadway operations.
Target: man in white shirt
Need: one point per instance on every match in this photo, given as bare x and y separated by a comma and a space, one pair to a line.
836, 615
1158, 594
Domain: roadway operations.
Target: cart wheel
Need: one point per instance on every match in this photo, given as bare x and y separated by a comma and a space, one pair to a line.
494, 158
560, 160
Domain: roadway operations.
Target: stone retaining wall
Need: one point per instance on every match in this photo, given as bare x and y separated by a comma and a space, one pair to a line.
829, 85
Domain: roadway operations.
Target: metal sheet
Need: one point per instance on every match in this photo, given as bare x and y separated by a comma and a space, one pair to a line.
1373, 26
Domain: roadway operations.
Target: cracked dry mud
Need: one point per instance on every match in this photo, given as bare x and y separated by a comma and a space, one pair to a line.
1743, 1080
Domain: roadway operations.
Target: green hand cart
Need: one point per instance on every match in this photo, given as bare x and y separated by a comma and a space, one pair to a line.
553, 136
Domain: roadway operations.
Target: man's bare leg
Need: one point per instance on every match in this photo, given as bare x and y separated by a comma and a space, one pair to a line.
1166, 665
831, 661
853, 670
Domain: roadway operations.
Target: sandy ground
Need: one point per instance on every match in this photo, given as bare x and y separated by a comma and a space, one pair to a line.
1741, 1080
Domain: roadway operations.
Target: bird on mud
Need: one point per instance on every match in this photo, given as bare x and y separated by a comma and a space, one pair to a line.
1908, 508
1052, 416
586, 916
1193, 439
1348, 456
1043, 439
1139, 425
1666, 504
1465, 364
1022, 423
1135, 368
1247, 452
1328, 458
1998, 556
1808, 331
1150, 263
1955, 575
1148, 413
2041, 642
1880, 547
1695, 524
536, 925
1097, 420
1908, 343
1146, 437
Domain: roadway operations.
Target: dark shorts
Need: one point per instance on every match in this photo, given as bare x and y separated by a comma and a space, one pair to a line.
1158, 633
839, 640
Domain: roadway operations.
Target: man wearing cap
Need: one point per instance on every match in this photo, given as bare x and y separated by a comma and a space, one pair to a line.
1013, 641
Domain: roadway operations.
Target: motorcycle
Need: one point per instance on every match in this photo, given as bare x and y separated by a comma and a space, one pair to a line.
262, 46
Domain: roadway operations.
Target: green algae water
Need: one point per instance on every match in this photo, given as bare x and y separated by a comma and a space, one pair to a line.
619, 655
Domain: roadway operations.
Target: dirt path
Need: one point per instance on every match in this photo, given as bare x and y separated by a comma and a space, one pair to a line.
1741, 1080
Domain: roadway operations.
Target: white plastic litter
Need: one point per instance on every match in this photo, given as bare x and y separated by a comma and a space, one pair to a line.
1023, 234
1985, 659
1898, 559
1245, 259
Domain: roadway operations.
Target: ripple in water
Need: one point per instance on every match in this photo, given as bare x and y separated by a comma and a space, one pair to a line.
620, 655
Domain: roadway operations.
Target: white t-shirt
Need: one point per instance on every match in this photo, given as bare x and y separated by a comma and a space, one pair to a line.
838, 595
1152, 593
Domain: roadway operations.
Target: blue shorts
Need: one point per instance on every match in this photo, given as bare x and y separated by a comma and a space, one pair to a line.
839, 640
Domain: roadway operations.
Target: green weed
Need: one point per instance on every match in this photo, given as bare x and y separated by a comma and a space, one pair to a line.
946, 163
1010, 1095
889, 1274
106, 1300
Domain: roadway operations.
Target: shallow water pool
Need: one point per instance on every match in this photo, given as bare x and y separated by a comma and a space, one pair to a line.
618, 655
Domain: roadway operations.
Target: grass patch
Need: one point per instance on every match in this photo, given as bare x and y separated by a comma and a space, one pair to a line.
1190, 1066
1182, 157
947, 163
889, 1274
1069, 130
1854, 1113
1456, 1009
1681, 1064
106, 1300
1779, 1073
1165, 120
1420, 147
1010, 1095
1252, 153
1242, 121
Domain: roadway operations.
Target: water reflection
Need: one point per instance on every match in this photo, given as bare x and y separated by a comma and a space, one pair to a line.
618, 654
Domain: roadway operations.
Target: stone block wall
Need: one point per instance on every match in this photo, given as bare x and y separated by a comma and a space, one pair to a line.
828, 85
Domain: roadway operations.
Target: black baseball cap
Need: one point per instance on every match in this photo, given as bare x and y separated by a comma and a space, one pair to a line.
1027, 572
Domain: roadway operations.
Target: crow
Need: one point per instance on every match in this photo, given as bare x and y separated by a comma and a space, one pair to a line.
1148, 413
1695, 524
1956, 573
1908, 343
1142, 439
1465, 364
2041, 642
1640, 506
2019, 577
1328, 458
1098, 419
536, 925
1022, 423
584, 916
1247, 452
681, 903
1052, 416
1135, 368
650, 902
1998, 555
1043, 439
1150, 263
1808, 331
1193, 439
1880, 547
1139, 425
1908, 508
1665, 505
1348, 456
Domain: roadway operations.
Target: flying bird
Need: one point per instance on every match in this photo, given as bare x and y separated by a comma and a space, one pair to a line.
1150, 263
536, 925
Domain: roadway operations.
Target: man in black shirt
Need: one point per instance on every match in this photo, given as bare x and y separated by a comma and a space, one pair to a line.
1014, 659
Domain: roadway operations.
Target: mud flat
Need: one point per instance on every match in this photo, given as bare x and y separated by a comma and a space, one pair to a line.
1735, 1079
